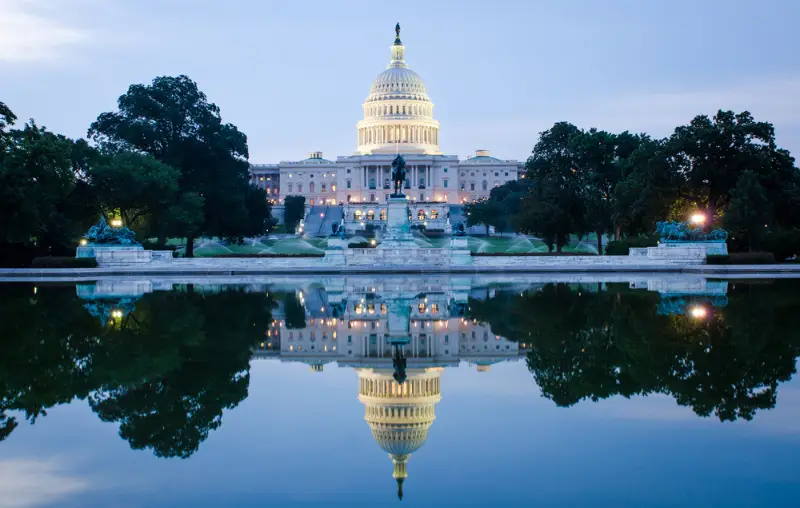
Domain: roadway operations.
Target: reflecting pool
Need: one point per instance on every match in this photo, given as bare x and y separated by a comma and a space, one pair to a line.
646, 391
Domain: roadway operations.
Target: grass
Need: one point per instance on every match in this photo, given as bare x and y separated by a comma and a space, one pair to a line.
213, 247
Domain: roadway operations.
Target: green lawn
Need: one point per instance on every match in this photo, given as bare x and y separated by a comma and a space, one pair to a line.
209, 247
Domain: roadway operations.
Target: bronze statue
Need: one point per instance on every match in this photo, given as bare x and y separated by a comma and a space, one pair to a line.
398, 174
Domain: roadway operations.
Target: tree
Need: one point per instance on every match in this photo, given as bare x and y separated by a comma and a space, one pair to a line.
709, 155
44, 202
598, 170
294, 210
139, 186
555, 208
749, 211
172, 120
488, 212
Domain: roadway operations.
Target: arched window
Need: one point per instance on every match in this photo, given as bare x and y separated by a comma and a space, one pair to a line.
404, 110
484, 185
324, 188
299, 188
421, 215
371, 215
383, 214
434, 214
311, 187
357, 215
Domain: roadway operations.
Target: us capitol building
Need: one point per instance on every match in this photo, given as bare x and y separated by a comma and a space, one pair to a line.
398, 118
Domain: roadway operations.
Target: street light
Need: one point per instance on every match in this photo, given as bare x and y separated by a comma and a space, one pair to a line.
698, 219
698, 312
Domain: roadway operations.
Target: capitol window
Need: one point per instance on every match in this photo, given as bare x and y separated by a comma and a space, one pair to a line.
371, 215
472, 186
421, 215
299, 188
333, 188
357, 215
311, 187
434, 214
383, 214
290, 187
324, 187
349, 184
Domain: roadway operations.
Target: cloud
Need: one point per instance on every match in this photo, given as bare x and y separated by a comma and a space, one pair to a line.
25, 482
27, 35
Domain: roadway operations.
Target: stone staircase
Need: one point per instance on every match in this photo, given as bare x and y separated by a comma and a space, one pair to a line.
320, 219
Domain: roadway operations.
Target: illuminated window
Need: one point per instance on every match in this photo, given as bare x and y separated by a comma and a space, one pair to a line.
357, 215
383, 214
421, 215
434, 214
434, 308
371, 215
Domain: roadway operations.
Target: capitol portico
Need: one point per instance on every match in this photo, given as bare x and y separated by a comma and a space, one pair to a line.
398, 117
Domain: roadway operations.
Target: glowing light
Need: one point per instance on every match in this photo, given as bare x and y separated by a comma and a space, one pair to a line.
116, 314
117, 223
373, 242
84, 241
698, 218
698, 312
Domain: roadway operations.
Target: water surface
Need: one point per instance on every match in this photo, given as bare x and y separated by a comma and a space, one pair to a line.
354, 391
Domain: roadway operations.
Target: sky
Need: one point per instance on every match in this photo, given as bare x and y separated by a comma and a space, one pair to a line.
293, 75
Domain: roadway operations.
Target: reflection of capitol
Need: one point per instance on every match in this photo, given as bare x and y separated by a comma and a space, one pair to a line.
390, 332
399, 414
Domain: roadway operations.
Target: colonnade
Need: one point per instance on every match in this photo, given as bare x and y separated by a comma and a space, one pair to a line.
398, 109
387, 387
398, 134
415, 174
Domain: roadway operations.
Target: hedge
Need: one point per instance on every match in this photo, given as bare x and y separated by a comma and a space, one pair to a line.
530, 254
273, 255
622, 247
361, 245
742, 258
63, 262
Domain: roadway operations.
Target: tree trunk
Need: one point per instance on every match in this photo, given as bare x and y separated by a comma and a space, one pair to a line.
599, 242
559, 247
618, 232
189, 247
162, 239
487, 229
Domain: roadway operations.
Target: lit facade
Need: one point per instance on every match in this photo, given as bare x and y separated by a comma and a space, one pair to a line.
398, 117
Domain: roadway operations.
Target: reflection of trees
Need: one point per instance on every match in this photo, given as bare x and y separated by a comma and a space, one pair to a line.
593, 344
45, 340
165, 371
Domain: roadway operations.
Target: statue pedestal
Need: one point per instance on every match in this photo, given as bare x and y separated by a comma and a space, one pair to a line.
398, 229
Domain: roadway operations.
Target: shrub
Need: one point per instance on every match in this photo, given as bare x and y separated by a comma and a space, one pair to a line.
782, 243
63, 262
531, 254
273, 255
360, 245
154, 246
622, 247
742, 258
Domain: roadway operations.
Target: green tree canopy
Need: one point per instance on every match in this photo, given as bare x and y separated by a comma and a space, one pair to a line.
172, 120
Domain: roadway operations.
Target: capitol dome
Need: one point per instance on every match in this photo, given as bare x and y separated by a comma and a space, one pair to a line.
398, 114
399, 414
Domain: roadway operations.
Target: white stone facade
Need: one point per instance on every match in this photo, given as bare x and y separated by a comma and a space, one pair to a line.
398, 118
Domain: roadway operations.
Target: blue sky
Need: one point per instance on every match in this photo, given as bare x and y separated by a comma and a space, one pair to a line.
293, 75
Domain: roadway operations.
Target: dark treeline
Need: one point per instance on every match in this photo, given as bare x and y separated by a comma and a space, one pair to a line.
164, 162
164, 367
591, 181
598, 342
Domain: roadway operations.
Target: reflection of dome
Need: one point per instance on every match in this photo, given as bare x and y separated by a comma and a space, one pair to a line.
398, 114
399, 414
